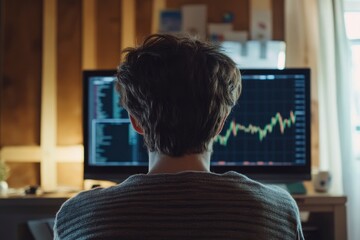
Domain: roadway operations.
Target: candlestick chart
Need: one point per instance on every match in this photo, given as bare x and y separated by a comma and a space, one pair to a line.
268, 126
234, 128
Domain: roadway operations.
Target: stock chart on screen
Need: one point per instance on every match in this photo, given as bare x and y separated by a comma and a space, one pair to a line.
268, 125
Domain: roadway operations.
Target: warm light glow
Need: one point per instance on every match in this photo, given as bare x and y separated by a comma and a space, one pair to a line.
74, 153
355, 113
281, 60
352, 20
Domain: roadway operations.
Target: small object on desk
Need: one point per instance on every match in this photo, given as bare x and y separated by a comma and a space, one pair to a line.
95, 186
322, 181
32, 189
3, 187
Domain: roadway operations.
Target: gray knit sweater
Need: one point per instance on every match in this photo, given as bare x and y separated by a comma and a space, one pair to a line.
188, 205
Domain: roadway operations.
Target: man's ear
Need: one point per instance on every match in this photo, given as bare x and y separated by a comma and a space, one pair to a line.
136, 125
221, 125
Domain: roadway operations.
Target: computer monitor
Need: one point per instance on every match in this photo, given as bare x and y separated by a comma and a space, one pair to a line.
266, 136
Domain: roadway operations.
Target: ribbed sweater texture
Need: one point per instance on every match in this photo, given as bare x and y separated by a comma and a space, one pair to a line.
187, 205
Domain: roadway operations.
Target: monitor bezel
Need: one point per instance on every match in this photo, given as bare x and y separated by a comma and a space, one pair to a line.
271, 174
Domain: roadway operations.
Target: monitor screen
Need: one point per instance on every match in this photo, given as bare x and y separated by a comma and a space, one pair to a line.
266, 136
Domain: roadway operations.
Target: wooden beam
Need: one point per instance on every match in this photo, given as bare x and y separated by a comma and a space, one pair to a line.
21, 153
158, 5
48, 126
127, 24
74, 153
88, 35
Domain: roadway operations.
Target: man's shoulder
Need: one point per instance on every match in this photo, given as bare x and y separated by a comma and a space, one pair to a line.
268, 193
83, 199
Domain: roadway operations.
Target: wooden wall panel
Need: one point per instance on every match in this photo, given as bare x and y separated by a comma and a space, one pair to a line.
2, 28
69, 81
315, 134
21, 79
108, 30
143, 19
23, 174
70, 174
278, 15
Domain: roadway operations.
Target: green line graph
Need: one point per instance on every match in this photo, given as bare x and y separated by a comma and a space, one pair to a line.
234, 128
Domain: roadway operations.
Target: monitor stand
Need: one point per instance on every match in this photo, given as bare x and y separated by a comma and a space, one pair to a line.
292, 188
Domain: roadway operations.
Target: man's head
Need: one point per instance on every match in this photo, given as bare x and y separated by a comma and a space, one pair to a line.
179, 90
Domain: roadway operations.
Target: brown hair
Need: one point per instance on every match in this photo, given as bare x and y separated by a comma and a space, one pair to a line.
179, 89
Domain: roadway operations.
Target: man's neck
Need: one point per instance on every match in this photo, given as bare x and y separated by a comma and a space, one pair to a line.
161, 163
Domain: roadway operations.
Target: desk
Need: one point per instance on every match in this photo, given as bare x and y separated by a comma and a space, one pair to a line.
327, 213
15, 211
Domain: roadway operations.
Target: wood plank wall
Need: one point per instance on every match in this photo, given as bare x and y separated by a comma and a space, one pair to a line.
278, 16
69, 84
108, 30
143, 20
2, 29
21, 76
20, 82
20, 66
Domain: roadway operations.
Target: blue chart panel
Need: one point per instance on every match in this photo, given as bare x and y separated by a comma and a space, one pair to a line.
268, 125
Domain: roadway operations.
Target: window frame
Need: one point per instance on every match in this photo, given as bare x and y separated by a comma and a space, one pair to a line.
354, 7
